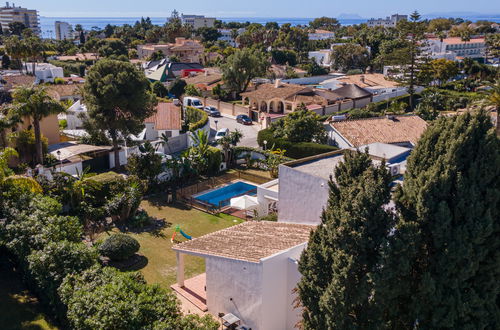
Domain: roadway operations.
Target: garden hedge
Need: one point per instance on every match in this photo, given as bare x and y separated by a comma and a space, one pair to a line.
294, 150
196, 118
119, 247
214, 157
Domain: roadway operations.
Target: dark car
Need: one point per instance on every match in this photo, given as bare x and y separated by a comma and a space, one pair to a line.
244, 119
212, 111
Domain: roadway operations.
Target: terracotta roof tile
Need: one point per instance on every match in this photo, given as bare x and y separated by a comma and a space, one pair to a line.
167, 117
368, 80
269, 91
13, 81
370, 130
250, 241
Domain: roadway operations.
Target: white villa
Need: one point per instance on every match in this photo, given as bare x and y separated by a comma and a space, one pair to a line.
321, 35
251, 273
455, 48
45, 72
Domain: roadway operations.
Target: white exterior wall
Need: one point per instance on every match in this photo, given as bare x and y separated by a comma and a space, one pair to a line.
72, 169
321, 57
321, 36
45, 72
123, 158
262, 197
237, 280
294, 315
306, 207
335, 139
73, 115
278, 281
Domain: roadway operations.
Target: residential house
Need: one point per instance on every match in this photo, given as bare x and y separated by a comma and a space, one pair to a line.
251, 271
455, 48
388, 22
375, 83
278, 99
321, 35
306, 182
204, 80
44, 72
322, 57
229, 36
198, 21
403, 130
69, 92
172, 70
10, 81
186, 50
73, 157
82, 57
166, 120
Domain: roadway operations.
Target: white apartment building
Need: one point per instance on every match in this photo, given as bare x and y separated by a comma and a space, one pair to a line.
64, 30
228, 36
455, 48
29, 17
198, 21
386, 22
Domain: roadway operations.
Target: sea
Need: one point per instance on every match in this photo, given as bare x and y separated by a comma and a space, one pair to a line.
47, 23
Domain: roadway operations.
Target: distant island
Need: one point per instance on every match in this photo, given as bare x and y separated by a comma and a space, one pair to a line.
349, 16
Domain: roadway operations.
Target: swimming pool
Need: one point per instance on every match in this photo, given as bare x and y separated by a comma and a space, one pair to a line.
222, 196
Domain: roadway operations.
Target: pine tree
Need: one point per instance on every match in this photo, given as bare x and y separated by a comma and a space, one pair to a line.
442, 269
336, 288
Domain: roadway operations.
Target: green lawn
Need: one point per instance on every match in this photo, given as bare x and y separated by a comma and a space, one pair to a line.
18, 309
157, 248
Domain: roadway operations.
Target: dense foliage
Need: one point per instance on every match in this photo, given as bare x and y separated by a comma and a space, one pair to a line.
196, 118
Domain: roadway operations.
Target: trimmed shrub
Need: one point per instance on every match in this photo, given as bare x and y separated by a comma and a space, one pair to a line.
214, 156
293, 150
119, 247
196, 118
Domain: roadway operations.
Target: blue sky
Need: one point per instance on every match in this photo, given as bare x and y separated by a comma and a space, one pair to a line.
254, 8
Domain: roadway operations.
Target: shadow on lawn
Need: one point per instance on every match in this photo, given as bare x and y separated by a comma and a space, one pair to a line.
134, 263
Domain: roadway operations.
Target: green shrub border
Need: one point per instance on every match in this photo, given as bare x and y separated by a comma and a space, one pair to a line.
190, 112
295, 150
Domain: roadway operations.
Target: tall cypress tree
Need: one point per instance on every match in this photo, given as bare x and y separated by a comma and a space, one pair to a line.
442, 269
343, 253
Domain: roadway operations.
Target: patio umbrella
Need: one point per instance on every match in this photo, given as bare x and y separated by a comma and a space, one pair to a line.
244, 202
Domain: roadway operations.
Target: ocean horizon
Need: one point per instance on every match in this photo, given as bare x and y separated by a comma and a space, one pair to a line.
48, 27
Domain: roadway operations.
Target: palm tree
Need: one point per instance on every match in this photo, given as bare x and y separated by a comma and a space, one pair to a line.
16, 49
493, 99
164, 141
35, 103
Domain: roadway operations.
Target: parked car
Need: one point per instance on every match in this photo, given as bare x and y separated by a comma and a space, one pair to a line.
212, 111
192, 102
221, 133
244, 119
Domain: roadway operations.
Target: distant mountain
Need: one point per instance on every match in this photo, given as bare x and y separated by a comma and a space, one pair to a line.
461, 14
349, 16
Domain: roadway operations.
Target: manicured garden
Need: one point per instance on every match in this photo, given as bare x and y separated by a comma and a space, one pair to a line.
157, 247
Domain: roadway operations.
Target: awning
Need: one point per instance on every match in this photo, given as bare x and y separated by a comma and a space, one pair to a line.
66, 150
244, 202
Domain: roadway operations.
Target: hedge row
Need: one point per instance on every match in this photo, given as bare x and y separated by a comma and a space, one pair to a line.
72, 67
294, 150
196, 118
381, 106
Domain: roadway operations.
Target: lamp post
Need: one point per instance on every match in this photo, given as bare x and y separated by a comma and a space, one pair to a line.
216, 122
265, 144
60, 160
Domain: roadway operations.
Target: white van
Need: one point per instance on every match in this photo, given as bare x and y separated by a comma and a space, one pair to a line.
192, 102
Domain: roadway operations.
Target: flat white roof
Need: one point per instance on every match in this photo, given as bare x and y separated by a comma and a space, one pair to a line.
384, 150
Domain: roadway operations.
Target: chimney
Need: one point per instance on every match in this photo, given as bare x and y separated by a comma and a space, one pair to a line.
362, 79
277, 83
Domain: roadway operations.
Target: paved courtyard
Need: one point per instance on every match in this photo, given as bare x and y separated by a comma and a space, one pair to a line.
249, 131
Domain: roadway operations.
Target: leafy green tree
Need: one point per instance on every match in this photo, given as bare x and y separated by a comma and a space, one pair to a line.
119, 247
492, 98
314, 69
439, 25
112, 48
177, 87
5, 61
208, 34
48, 267
156, 56
349, 56
192, 90
16, 49
345, 251
118, 100
243, 66
36, 104
147, 165
301, 125
443, 70
325, 23
17, 28
95, 299
159, 89
442, 266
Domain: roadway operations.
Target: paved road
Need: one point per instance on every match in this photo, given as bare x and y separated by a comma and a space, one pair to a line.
249, 131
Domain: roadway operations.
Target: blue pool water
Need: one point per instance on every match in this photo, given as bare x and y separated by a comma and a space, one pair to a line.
224, 194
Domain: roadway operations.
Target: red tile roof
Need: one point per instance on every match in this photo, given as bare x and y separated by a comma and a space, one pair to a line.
167, 117
370, 130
